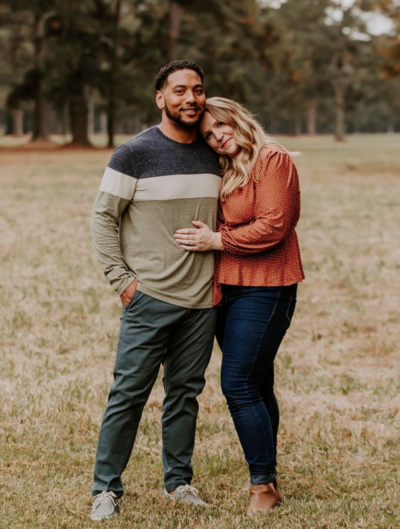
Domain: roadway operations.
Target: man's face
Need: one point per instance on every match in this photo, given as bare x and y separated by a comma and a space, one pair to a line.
183, 98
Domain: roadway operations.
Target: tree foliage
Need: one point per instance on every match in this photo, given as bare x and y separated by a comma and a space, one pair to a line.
309, 65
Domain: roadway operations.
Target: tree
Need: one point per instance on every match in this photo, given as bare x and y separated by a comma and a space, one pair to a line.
32, 15
298, 60
42, 12
227, 40
174, 30
305, 65
74, 38
15, 52
388, 45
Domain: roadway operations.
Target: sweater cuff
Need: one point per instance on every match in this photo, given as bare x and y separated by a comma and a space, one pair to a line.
122, 285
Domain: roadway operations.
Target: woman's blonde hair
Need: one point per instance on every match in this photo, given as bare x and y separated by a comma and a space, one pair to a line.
249, 136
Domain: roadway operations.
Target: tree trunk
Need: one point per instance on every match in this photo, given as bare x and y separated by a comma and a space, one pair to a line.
339, 101
174, 29
110, 122
272, 125
111, 104
17, 122
295, 124
312, 117
39, 128
79, 111
136, 124
390, 125
103, 123
64, 119
91, 109
298, 126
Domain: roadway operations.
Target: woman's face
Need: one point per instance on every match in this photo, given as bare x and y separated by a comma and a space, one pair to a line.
218, 135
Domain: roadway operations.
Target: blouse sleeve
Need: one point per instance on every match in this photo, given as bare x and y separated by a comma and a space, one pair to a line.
220, 219
276, 209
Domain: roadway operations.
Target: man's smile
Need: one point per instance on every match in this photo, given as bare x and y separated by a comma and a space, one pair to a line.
190, 111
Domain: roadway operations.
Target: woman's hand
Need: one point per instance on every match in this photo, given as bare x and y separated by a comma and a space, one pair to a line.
201, 239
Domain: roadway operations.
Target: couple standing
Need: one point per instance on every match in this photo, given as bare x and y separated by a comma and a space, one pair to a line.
155, 228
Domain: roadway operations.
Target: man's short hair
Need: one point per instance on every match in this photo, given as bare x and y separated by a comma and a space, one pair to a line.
162, 76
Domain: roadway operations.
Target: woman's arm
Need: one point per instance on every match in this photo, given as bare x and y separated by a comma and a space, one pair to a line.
276, 209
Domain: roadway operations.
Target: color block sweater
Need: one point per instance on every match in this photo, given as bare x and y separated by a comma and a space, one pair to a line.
152, 187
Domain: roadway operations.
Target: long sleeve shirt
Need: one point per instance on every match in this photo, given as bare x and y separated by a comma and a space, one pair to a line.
257, 225
152, 187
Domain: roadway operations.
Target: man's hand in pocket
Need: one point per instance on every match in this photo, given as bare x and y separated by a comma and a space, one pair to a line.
128, 293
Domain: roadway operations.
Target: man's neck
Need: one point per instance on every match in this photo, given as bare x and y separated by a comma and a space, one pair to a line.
176, 132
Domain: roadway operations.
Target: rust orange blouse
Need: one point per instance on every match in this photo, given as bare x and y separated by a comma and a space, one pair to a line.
257, 224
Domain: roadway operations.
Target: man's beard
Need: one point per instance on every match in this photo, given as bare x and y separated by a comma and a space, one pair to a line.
176, 118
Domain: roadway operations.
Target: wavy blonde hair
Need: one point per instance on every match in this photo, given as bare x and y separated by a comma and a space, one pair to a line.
249, 136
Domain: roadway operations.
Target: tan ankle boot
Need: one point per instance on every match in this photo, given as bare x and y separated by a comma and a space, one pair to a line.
247, 487
277, 491
263, 498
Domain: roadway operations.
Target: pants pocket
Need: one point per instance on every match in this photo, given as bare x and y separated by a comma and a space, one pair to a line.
133, 299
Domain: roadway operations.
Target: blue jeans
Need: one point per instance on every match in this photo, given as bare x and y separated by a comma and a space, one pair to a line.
251, 325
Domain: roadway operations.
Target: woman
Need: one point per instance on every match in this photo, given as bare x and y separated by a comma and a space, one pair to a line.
257, 270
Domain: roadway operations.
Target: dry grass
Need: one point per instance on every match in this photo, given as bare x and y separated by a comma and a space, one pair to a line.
338, 370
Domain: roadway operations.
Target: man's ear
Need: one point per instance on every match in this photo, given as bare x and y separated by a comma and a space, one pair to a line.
160, 100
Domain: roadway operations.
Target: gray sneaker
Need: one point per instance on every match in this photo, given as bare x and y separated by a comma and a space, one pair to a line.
186, 494
105, 505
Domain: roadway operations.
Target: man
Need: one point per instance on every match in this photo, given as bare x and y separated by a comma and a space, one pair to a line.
155, 183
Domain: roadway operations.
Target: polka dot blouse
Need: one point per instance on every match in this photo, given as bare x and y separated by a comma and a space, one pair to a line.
257, 224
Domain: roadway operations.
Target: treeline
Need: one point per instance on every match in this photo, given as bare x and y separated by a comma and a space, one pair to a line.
308, 66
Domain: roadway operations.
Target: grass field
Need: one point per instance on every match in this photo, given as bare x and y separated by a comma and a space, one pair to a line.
338, 370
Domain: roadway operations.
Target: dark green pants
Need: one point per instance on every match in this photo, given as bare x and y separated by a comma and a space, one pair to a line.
153, 333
